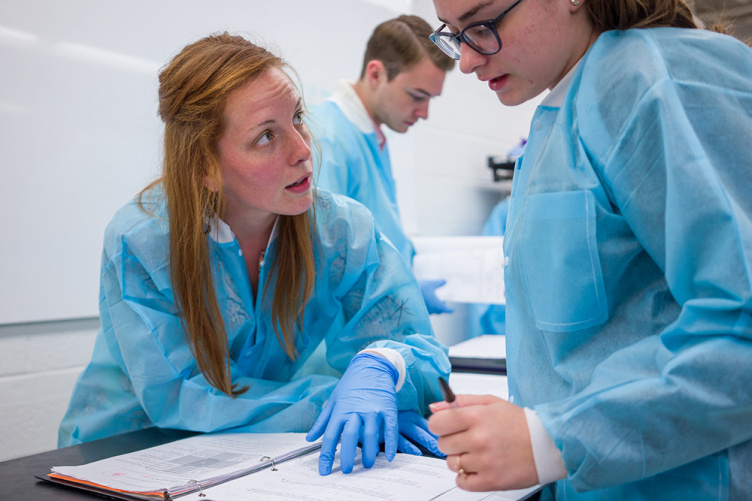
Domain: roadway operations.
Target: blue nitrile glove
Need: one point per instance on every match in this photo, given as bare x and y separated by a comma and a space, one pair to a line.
433, 303
414, 427
363, 405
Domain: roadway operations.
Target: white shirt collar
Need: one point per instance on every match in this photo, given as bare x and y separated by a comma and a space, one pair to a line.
555, 98
349, 102
223, 234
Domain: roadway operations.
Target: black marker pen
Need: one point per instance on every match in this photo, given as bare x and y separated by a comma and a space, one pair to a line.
447, 392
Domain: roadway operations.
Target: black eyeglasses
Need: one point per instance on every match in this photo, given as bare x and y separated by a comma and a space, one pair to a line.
480, 36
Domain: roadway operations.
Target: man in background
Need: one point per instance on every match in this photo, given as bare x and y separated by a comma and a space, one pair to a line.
402, 71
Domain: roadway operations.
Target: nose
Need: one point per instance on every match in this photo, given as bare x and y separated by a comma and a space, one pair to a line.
421, 111
300, 149
470, 59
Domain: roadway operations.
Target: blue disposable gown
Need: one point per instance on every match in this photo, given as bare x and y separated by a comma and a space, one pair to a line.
353, 164
629, 238
143, 373
489, 318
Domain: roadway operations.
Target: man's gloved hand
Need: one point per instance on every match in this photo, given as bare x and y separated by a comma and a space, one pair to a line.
363, 405
433, 303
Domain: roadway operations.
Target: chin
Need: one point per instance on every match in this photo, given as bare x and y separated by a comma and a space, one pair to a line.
400, 129
509, 100
302, 205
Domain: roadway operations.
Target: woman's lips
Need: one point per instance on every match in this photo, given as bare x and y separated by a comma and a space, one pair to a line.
300, 186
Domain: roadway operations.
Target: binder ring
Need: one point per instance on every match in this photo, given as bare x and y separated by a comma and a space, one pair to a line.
200, 489
274, 468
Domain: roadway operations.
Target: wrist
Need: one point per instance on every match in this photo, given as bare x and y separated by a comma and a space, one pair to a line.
548, 461
392, 358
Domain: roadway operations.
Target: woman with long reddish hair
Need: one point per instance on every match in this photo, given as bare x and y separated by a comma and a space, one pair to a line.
234, 295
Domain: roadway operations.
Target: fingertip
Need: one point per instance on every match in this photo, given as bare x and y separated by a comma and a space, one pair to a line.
436, 451
407, 446
390, 448
411, 449
438, 406
325, 468
368, 460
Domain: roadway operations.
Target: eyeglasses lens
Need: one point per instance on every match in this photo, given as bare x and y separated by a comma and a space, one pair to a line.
482, 39
447, 44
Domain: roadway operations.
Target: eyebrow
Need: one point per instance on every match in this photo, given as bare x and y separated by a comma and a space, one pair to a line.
470, 12
272, 121
421, 91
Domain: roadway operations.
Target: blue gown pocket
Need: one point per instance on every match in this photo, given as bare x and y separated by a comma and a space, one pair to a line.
559, 260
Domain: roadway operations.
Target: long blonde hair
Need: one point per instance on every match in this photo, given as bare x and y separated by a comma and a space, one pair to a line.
193, 89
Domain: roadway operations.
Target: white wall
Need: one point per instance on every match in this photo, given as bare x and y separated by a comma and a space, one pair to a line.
39, 364
444, 187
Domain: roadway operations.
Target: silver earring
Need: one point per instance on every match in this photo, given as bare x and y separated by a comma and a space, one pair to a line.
576, 3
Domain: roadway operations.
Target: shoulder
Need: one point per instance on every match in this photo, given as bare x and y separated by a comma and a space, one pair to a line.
326, 116
327, 110
638, 75
141, 225
329, 124
337, 215
681, 56
331, 206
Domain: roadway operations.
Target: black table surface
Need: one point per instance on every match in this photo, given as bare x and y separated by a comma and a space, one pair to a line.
17, 476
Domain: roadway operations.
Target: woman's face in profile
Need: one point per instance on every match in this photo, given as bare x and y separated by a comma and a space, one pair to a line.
265, 152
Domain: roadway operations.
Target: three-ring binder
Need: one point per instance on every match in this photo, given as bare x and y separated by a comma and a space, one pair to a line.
138, 483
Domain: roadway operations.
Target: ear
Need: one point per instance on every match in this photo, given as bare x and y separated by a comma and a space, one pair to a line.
375, 73
211, 184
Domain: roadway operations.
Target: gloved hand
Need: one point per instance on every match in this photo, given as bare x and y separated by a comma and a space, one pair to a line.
433, 303
414, 427
363, 405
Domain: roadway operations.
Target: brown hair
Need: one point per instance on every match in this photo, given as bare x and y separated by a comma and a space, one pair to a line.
625, 14
193, 89
401, 43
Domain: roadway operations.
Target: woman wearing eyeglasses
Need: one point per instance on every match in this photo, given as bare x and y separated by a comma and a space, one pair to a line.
628, 254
